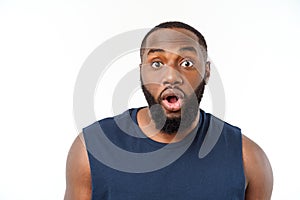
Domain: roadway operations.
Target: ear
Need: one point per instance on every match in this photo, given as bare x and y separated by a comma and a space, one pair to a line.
207, 72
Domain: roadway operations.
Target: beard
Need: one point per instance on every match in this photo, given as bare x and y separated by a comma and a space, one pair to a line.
173, 125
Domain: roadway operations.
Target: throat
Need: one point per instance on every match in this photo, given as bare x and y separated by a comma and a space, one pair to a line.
172, 99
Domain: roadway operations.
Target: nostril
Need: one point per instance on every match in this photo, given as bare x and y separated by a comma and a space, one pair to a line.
179, 82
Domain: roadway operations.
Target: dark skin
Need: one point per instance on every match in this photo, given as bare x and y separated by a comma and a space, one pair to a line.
181, 64
172, 57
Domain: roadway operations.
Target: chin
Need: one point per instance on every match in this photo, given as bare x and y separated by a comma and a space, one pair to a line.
170, 114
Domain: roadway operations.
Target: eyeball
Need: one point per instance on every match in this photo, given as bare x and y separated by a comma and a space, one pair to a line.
187, 64
156, 64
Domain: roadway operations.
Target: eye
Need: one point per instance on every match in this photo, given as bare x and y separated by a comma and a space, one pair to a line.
156, 64
187, 64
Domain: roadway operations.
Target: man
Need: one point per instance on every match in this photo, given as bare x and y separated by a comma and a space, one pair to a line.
172, 129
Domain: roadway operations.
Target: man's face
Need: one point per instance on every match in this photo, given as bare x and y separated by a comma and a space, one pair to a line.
173, 75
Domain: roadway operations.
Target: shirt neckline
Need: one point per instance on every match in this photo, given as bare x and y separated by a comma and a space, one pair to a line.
188, 139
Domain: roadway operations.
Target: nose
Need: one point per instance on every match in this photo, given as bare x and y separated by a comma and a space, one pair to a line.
172, 77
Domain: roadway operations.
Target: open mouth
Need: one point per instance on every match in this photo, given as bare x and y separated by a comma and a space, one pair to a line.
172, 100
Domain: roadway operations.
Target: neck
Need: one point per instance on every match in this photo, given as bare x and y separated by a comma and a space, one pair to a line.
147, 125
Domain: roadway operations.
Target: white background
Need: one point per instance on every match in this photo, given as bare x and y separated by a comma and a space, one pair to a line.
254, 44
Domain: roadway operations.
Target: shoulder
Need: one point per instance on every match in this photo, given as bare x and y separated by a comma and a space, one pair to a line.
116, 120
258, 171
78, 178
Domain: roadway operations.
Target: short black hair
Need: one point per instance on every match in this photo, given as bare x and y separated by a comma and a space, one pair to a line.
175, 24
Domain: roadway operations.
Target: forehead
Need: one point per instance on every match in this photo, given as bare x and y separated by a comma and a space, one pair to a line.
172, 39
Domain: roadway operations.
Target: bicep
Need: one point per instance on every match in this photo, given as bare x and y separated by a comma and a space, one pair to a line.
258, 171
78, 178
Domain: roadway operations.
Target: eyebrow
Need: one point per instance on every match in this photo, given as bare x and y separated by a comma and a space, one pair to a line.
192, 49
155, 50
188, 49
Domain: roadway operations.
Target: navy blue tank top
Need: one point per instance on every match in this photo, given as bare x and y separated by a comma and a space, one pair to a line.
125, 164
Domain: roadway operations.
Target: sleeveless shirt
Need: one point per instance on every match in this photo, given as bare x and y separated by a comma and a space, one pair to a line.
125, 164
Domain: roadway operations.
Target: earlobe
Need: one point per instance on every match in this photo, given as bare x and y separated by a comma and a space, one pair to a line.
207, 72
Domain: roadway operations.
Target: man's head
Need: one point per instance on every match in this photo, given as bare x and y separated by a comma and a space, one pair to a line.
176, 25
174, 71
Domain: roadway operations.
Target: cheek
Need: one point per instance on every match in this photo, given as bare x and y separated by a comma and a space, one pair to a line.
192, 81
154, 90
151, 83
194, 77
149, 77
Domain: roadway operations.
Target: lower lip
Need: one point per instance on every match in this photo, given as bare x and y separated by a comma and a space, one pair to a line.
173, 107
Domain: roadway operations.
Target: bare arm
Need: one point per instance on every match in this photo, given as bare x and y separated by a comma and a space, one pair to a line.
258, 172
78, 175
